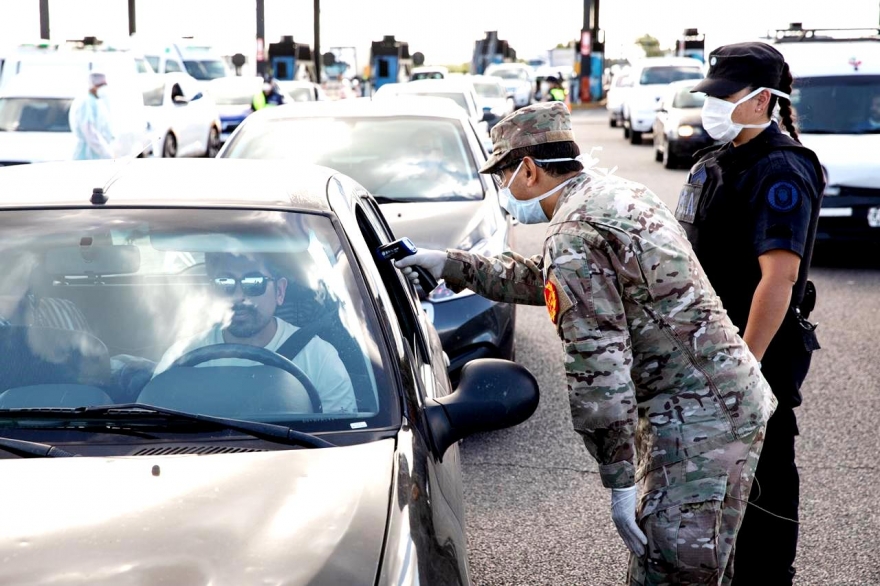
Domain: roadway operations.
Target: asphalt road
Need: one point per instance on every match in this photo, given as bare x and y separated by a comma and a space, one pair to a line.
536, 510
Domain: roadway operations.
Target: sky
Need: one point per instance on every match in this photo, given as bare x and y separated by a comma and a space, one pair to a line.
443, 30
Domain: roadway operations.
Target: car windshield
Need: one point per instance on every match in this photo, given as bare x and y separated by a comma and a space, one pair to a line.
398, 158
456, 97
490, 90
34, 115
116, 305
838, 105
153, 61
300, 94
685, 99
426, 75
668, 74
510, 74
206, 69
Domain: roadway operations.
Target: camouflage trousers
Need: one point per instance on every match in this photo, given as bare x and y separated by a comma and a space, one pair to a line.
691, 511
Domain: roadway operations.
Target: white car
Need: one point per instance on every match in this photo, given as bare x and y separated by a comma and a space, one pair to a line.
492, 97
35, 125
300, 90
199, 60
837, 101
185, 122
650, 78
620, 85
429, 72
517, 79
460, 90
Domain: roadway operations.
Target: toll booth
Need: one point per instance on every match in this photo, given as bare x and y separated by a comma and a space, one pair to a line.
592, 50
692, 44
290, 60
390, 62
491, 50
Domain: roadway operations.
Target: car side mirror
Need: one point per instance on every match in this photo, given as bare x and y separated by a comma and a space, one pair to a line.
492, 394
198, 96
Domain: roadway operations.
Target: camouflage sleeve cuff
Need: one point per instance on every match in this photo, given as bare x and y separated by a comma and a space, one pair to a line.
454, 269
617, 475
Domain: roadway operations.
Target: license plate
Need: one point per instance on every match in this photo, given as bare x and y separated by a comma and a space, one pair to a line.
874, 217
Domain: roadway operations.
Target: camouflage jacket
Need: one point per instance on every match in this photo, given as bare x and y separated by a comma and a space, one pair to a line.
654, 366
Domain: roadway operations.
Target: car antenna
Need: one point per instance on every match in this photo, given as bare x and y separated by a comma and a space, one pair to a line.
99, 194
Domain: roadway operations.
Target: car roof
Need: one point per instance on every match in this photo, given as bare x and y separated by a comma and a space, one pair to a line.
668, 62
393, 106
29, 86
820, 59
168, 183
684, 83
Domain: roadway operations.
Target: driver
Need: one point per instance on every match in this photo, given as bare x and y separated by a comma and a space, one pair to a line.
255, 291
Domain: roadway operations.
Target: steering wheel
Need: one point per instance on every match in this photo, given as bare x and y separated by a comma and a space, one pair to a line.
257, 354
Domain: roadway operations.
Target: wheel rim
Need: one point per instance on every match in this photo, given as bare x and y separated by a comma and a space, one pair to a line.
213, 143
170, 147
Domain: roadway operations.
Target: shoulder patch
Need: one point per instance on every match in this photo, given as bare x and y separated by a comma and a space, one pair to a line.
556, 299
783, 196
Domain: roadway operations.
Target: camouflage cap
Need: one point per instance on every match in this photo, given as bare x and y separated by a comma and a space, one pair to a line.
529, 126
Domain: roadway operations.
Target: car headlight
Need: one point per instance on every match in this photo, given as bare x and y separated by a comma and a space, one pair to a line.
686, 130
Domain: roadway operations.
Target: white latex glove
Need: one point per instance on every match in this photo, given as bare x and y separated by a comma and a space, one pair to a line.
623, 513
432, 261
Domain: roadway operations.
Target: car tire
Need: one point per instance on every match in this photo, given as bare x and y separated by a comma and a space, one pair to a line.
612, 122
626, 130
635, 137
213, 143
169, 147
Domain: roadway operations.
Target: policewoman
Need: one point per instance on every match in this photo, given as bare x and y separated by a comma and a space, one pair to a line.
750, 208
666, 397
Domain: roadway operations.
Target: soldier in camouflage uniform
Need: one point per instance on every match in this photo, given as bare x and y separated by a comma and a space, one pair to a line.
665, 394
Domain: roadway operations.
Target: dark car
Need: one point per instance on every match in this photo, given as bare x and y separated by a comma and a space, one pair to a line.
678, 128
328, 460
419, 157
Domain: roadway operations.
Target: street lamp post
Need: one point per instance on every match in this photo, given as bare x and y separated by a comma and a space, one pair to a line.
261, 37
44, 19
132, 21
317, 49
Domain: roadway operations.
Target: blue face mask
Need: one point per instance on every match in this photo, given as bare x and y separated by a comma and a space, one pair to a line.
528, 211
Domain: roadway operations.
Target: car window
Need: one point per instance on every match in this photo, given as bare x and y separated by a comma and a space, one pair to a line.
301, 94
847, 104
490, 90
685, 99
91, 295
172, 66
398, 158
154, 96
427, 75
204, 70
34, 115
153, 61
143, 66
667, 74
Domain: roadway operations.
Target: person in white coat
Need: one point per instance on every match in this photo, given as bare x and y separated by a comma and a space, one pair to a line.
90, 122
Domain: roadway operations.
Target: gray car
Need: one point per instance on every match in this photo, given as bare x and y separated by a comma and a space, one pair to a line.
419, 157
236, 463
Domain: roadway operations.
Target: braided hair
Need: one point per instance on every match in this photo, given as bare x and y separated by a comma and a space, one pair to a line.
785, 110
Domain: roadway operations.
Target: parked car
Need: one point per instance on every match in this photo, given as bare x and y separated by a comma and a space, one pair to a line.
302, 90
678, 128
232, 472
185, 121
650, 78
517, 79
492, 97
35, 123
420, 158
234, 97
199, 60
621, 83
837, 100
460, 90
429, 72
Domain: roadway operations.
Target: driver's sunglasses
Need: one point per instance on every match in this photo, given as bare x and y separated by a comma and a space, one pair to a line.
251, 285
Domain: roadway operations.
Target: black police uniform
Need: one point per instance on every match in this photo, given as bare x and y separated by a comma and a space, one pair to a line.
739, 203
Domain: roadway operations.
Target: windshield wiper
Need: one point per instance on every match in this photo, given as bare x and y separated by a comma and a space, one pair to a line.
265, 431
27, 449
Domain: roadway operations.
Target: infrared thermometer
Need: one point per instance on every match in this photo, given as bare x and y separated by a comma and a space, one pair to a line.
402, 248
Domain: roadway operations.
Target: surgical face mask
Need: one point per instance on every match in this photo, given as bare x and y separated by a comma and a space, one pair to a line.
717, 114
101, 92
529, 211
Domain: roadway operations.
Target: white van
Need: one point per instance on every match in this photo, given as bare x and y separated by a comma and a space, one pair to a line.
199, 60
649, 78
837, 102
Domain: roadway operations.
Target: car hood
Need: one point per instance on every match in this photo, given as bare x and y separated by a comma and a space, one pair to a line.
288, 517
690, 116
436, 225
849, 159
36, 147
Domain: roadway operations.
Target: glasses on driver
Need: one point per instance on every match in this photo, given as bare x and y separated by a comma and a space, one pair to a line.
252, 285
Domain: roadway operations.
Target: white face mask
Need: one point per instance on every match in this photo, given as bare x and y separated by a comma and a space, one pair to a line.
101, 92
529, 211
717, 114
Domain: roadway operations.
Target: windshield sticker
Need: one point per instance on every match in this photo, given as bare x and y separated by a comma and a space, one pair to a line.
359, 425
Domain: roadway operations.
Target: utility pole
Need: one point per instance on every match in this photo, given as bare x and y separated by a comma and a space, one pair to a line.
317, 49
261, 37
132, 21
44, 19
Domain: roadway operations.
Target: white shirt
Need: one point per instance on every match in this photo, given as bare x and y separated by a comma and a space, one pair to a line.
318, 360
